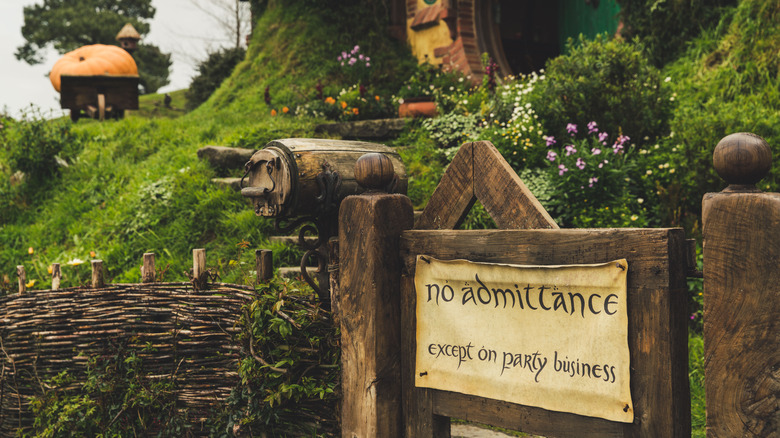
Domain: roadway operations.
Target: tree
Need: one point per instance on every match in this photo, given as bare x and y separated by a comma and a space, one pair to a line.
69, 24
232, 16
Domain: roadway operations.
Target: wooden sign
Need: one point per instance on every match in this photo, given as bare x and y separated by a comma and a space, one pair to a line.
554, 337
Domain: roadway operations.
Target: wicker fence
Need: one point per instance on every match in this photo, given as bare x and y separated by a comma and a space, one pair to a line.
192, 332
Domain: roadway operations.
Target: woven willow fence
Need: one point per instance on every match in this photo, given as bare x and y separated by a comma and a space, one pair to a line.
192, 334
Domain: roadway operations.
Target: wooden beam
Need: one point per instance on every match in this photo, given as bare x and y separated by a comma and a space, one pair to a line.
369, 228
453, 197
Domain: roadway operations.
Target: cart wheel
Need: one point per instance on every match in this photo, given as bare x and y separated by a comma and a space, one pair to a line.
74, 115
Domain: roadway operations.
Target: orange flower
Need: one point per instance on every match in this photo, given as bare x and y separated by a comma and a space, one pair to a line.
343, 104
285, 110
273, 113
355, 111
92, 254
330, 100
377, 98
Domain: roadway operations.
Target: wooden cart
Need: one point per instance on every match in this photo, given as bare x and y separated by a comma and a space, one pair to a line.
99, 96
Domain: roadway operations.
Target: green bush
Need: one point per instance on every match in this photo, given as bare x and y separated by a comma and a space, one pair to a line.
38, 147
607, 81
666, 26
211, 72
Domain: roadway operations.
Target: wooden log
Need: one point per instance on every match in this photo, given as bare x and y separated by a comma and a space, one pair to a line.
741, 294
56, 276
97, 274
369, 228
284, 177
264, 264
148, 272
22, 279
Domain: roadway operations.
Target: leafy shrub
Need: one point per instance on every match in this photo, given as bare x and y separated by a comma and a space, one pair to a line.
596, 178
211, 72
608, 81
451, 129
353, 103
39, 147
116, 398
666, 26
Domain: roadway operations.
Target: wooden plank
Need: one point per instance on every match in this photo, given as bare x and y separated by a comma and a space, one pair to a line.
503, 194
657, 328
741, 309
369, 229
453, 197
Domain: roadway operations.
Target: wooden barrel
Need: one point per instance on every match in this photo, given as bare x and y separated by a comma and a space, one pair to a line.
297, 176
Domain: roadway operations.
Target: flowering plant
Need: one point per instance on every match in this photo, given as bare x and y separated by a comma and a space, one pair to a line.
355, 66
429, 81
594, 174
353, 103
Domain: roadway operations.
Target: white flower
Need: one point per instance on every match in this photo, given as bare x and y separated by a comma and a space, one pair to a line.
668, 79
75, 262
640, 200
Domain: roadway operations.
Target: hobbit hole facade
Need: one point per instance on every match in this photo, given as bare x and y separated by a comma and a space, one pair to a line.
519, 36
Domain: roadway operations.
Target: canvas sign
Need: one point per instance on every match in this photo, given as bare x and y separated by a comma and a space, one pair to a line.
553, 337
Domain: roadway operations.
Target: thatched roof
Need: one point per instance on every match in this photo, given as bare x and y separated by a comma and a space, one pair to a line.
128, 32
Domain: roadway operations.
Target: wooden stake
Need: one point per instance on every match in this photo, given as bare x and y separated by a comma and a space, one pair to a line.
97, 274
22, 279
56, 276
147, 270
264, 264
198, 262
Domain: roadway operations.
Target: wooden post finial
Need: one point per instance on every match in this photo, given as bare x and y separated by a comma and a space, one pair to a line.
374, 171
742, 159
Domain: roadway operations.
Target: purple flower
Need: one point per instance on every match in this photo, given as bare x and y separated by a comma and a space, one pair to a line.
356, 49
360, 57
562, 170
550, 141
571, 128
570, 149
601, 165
580, 163
595, 151
622, 139
617, 148
592, 127
603, 136
592, 181
352, 61
693, 316
551, 155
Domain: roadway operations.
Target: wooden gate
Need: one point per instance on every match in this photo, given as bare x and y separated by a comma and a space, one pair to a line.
378, 305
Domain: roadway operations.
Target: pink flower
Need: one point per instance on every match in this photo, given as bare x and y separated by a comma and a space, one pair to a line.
581, 163
550, 141
592, 181
368, 64
603, 136
595, 151
571, 128
551, 155
570, 149
592, 127
562, 170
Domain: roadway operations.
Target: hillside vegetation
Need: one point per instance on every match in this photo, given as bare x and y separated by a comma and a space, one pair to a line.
114, 190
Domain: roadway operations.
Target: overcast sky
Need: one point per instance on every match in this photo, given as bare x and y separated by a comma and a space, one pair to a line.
178, 28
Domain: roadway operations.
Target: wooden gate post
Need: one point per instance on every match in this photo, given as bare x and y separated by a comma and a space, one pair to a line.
742, 293
369, 302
